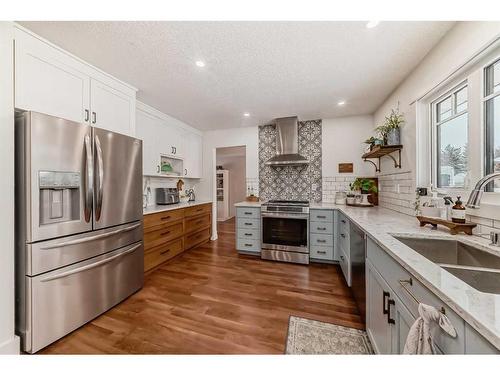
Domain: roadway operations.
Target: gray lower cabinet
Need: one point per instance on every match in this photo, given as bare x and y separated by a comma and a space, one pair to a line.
248, 230
391, 309
321, 235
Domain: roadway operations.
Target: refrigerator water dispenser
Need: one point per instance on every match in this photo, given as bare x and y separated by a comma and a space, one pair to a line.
59, 196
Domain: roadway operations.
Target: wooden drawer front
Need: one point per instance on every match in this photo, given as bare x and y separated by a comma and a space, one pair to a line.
248, 223
321, 227
244, 244
345, 265
198, 210
196, 238
321, 215
192, 225
322, 240
162, 218
321, 252
162, 253
248, 234
162, 235
393, 273
250, 213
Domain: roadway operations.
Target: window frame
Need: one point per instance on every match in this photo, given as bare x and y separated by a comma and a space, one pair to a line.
487, 144
434, 138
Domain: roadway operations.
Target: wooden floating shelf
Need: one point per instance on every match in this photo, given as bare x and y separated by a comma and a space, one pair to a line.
454, 228
378, 151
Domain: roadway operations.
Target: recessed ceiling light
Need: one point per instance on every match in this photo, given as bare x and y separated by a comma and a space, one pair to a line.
200, 64
372, 24
341, 103
246, 114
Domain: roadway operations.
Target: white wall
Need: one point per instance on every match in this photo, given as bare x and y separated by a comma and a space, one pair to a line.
343, 143
9, 343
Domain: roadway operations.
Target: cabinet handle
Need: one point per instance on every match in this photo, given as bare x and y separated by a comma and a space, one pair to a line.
343, 221
321, 228
248, 234
165, 218
248, 245
94, 117
342, 235
248, 213
321, 252
87, 115
164, 252
249, 224
165, 233
185, 172
321, 217
321, 241
384, 304
389, 319
158, 169
342, 257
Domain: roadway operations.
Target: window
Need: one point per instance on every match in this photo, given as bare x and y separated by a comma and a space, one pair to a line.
492, 122
450, 129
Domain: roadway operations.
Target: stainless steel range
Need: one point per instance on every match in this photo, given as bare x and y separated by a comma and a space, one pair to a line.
285, 228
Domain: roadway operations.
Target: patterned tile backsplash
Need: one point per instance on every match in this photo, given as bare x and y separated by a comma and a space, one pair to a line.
291, 182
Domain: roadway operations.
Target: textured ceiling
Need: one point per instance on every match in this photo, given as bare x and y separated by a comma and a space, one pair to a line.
269, 69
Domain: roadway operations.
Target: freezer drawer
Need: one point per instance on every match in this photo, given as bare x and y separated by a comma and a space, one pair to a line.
60, 301
49, 255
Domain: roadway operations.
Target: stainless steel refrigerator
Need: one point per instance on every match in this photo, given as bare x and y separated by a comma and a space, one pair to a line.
79, 248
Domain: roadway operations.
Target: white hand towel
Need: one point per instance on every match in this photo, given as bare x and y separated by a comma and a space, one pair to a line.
419, 340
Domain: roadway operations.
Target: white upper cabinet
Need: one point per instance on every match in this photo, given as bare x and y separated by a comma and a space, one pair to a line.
52, 81
163, 135
193, 155
49, 81
111, 109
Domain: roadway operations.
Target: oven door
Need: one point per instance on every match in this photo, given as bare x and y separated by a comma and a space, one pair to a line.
285, 232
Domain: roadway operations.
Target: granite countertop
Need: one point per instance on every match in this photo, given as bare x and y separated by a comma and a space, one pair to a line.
168, 207
478, 309
248, 204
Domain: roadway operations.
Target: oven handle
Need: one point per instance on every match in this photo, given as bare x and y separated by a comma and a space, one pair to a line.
285, 216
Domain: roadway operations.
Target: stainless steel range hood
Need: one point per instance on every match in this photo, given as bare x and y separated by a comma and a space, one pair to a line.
287, 143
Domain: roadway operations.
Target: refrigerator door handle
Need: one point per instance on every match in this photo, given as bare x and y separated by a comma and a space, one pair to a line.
93, 265
89, 179
93, 238
100, 175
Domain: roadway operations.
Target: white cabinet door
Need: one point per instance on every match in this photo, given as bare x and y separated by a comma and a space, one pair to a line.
377, 297
192, 155
147, 129
403, 320
49, 81
112, 109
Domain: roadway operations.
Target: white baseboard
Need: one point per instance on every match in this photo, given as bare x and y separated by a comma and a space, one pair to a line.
11, 346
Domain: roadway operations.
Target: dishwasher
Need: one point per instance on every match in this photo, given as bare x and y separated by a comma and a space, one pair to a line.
358, 259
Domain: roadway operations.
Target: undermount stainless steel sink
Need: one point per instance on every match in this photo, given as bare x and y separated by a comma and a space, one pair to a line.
478, 268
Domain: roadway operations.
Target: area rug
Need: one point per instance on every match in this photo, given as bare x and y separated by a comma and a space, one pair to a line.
313, 337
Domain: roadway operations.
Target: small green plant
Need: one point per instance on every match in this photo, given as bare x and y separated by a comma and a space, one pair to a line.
364, 184
394, 121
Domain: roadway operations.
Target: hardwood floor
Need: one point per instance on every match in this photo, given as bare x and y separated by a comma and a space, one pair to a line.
210, 300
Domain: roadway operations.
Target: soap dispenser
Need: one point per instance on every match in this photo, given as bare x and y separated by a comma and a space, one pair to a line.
448, 202
458, 212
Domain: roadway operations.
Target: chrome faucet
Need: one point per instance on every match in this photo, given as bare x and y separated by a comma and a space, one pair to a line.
475, 196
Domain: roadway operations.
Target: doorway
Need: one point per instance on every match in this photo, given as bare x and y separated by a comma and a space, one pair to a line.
230, 180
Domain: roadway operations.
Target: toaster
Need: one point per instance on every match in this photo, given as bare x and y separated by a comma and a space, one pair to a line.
167, 195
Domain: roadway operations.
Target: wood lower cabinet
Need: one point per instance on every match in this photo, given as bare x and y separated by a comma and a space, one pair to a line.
169, 233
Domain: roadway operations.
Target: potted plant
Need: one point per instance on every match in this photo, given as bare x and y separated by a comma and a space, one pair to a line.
366, 186
390, 130
373, 141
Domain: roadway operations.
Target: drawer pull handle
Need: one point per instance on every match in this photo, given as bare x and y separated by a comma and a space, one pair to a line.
385, 309
321, 241
165, 233
248, 234
248, 224
342, 235
321, 228
248, 213
248, 245
321, 252
343, 221
321, 217
410, 282
164, 251
165, 218
389, 304
342, 257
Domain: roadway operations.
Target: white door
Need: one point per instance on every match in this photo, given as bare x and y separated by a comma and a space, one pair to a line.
193, 155
377, 298
49, 81
403, 320
111, 109
147, 129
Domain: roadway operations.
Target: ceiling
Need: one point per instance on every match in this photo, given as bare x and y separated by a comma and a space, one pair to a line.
268, 69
